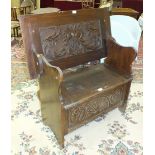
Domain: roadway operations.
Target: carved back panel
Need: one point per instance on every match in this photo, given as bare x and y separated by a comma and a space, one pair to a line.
71, 39
66, 39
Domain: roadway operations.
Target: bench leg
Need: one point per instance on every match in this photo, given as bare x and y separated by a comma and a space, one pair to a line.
52, 117
123, 106
52, 110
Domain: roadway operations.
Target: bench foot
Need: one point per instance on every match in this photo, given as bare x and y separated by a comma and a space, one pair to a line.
122, 108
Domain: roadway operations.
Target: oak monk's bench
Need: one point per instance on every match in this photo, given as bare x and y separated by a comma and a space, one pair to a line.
59, 47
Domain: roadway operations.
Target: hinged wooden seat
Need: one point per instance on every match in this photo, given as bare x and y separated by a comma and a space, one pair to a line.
55, 43
88, 82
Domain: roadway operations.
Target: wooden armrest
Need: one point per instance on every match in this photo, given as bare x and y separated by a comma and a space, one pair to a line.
50, 78
40, 61
120, 58
125, 11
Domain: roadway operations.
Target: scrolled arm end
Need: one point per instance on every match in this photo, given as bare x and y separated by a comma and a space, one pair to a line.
120, 58
50, 78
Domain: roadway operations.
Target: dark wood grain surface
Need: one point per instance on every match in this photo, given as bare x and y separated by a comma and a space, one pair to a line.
56, 42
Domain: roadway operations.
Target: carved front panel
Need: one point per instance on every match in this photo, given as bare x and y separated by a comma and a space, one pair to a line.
95, 106
71, 39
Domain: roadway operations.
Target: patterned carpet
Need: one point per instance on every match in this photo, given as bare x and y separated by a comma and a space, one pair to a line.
111, 134
19, 69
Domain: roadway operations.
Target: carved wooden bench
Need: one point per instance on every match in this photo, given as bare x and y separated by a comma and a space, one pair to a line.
57, 42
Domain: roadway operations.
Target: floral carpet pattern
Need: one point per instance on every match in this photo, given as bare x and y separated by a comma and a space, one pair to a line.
114, 133
19, 69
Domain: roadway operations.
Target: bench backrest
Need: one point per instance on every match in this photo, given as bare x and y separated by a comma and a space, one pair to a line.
67, 38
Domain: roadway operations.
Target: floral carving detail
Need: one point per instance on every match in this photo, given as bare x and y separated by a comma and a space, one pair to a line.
70, 39
95, 106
